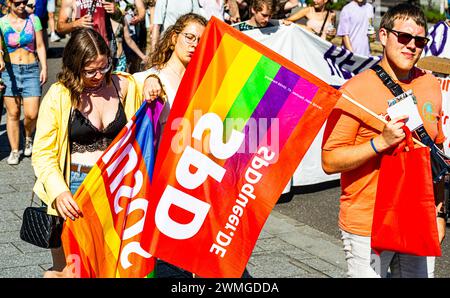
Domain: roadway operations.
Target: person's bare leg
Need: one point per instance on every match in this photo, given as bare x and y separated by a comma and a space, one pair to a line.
30, 110
12, 105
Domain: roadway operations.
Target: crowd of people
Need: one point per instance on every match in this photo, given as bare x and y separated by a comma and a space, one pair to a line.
132, 30
95, 94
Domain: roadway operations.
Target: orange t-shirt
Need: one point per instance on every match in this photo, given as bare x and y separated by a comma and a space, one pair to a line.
349, 125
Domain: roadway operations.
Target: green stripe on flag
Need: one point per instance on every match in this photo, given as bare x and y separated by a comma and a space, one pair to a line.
251, 94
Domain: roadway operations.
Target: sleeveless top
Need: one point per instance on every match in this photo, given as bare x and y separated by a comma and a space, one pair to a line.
316, 25
84, 7
85, 137
25, 39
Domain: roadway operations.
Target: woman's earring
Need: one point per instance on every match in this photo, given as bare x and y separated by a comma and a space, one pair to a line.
172, 47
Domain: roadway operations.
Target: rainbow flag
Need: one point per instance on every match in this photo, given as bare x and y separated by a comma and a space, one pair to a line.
107, 240
241, 122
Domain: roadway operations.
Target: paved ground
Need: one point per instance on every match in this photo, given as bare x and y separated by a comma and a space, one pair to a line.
286, 247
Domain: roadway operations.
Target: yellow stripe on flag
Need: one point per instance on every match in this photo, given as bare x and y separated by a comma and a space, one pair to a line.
206, 92
103, 210
237, 75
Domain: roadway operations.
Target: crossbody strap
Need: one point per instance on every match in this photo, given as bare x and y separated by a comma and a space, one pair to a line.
387, 80
324, 22
396, 90
420, 132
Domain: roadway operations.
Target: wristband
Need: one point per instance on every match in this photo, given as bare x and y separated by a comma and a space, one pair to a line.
442, 215
373, 146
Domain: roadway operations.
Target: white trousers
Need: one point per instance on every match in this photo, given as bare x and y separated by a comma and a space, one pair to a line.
363, 262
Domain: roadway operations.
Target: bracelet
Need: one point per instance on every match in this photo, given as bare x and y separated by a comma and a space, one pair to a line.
442, 215
2, 53
373, 146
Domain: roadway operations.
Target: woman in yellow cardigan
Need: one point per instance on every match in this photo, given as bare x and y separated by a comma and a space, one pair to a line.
79, 117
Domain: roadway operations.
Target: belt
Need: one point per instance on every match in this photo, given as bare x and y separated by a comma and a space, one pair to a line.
80, 168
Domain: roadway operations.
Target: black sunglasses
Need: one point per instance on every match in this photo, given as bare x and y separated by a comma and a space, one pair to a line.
17, 4
405, 38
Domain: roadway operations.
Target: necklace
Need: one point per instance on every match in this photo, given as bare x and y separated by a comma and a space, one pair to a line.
93, 89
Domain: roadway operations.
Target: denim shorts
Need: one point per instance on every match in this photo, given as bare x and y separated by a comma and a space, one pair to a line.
76, 178
51, 7
22, 80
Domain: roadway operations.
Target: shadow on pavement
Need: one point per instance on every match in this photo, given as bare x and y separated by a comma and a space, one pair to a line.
55, 52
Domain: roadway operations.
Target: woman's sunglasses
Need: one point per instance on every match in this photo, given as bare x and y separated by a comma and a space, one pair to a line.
18, 3
405, 38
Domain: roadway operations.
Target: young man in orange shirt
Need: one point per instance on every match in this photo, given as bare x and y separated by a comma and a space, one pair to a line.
355, 141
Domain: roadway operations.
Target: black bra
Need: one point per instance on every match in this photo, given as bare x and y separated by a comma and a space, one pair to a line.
84, 136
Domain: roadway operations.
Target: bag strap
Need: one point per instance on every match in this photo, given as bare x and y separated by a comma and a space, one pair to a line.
32, 193
387, 80
396, 90
324, 22
92, 8
165, 13
421, 133
406, 143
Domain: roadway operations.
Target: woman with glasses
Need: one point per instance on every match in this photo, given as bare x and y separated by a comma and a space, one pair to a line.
23, 38
170, 59
79, 117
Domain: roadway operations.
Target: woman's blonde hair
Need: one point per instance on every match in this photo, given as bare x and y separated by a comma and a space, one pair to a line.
83, 47
165, 46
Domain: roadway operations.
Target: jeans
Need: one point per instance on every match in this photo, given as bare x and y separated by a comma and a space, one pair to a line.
22, 80
362, 261
76, 178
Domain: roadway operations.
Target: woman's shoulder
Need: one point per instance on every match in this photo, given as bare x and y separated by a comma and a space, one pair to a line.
309, 10
122, 80
142, 75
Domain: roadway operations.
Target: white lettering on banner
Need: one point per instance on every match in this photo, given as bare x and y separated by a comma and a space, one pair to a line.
170, 227
252, 177
136, 204
219, 149
205, 167
132, 247
129, 192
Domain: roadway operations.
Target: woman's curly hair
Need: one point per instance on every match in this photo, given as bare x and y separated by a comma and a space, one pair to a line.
83, 47
165, 46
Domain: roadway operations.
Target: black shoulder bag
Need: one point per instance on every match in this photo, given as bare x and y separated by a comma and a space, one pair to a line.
439, 161
39, 228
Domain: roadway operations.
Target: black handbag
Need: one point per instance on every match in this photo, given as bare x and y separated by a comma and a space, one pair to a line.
39, 228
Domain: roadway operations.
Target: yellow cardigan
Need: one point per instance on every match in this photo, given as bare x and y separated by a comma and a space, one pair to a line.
51, 156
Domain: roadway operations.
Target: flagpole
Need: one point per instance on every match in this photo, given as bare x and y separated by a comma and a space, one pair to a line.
375, 115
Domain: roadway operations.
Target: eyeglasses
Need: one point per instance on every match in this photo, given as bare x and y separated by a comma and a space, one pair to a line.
30, 6
92, 73
17, 4
405, 38
190, 38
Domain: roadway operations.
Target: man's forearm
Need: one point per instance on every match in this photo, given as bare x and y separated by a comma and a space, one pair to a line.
348, 158
65, 28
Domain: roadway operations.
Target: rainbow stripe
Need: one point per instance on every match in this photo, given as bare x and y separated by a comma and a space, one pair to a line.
105, 241
275, 103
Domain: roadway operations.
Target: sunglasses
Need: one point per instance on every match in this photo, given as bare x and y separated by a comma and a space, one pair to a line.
405, 38
92, 73
18, 3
